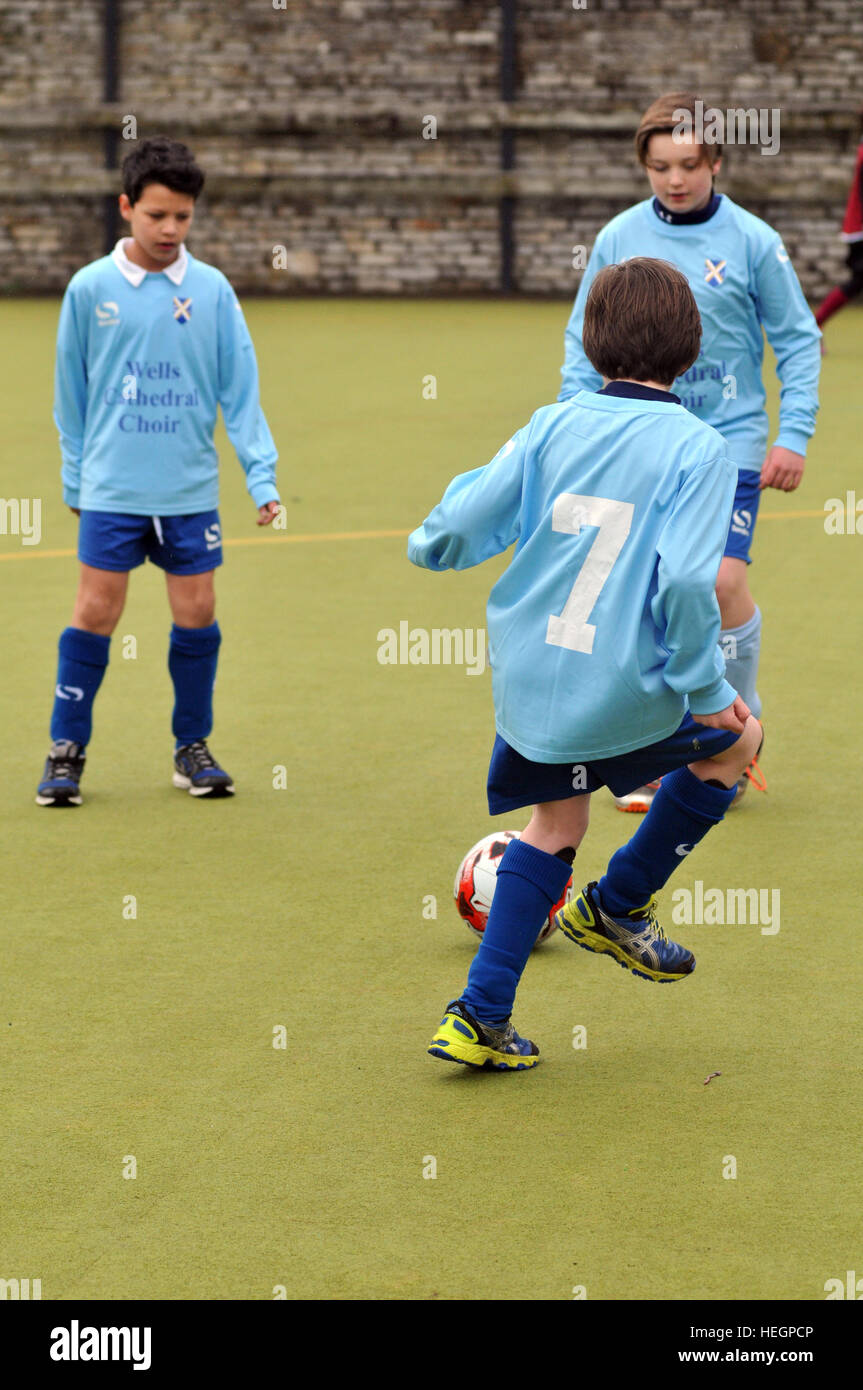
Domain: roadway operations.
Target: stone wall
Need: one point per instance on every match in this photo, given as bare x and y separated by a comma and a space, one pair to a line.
309, 121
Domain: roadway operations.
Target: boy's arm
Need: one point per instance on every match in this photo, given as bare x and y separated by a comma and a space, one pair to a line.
70, 395
577, 372
247, 429
478, 516
684, 608
795, 338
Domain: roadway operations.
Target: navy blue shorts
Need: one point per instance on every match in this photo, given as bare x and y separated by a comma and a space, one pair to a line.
178, 544
515, 781
746, 500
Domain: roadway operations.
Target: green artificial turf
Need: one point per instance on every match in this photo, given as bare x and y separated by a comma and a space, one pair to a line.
308, 907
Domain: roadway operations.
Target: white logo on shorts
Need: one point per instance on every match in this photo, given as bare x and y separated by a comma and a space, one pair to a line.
69, 692
683, 849
742, 522
213, 536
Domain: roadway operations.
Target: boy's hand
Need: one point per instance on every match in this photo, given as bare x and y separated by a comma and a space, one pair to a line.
782, 469
733, 718
268, 512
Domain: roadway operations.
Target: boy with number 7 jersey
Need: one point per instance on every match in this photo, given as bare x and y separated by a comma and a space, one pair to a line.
603, 643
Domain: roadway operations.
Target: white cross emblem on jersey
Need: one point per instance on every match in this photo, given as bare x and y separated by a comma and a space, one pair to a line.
182, 309
715, 271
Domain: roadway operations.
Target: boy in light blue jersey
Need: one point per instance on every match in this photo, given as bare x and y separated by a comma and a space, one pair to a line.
743, 283
151, 342
603, 644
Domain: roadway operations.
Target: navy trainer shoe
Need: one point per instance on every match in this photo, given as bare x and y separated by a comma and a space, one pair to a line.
62, 775
197, 772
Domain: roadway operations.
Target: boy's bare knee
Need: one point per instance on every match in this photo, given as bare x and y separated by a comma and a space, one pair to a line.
95, 617
731, 585
187, 614
734, 759
100, 599
748, 743
736, 603
98, 611
751, 738
192, 599
557, 825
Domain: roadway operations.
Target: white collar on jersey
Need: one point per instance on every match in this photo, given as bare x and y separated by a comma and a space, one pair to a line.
135, 273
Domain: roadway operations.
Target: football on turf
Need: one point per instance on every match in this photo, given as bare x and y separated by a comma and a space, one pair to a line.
475, 880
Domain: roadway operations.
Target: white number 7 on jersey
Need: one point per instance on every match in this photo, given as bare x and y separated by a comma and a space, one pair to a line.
614, 519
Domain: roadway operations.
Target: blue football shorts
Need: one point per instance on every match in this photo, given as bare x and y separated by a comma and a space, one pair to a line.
746, 500
515, 781
121, 541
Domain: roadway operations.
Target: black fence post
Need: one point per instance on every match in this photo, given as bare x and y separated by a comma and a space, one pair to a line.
110, 87
507, 144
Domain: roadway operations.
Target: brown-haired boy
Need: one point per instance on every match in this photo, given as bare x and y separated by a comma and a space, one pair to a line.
743, 282
603, 634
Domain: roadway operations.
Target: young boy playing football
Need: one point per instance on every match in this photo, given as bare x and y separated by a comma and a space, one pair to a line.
603, 639
743, 282
151, 342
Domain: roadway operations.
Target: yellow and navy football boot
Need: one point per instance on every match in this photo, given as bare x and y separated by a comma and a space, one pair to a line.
636, 941
462, 1038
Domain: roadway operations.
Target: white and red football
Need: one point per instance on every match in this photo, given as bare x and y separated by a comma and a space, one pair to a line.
476, 878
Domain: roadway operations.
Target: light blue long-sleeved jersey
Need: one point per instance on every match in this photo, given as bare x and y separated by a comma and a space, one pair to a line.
606, 619
140, 373
743, 281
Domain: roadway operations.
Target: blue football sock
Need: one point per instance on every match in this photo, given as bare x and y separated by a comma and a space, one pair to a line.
681, 813
529, 883
81, 666
192, 660
741, 666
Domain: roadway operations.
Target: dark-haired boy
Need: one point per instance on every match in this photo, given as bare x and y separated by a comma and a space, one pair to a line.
603, 642
151, 342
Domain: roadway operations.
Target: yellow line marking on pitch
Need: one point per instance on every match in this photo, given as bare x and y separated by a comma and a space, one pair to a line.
788, 516
33, 552
321, 536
